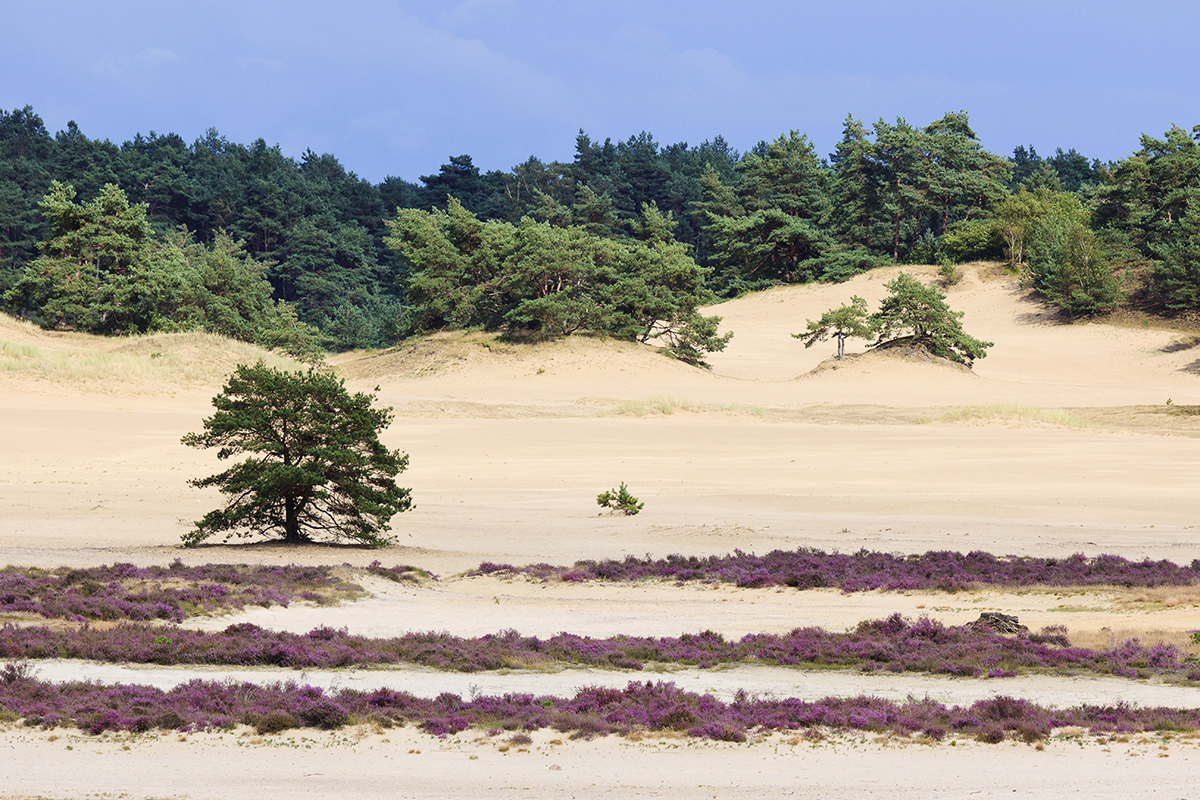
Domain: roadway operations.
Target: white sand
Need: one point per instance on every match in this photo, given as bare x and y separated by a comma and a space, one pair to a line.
509, 446
722, 682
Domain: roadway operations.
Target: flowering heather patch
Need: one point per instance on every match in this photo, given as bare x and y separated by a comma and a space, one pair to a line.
808, 568
400, 574
894, 644
123, 591
207, 705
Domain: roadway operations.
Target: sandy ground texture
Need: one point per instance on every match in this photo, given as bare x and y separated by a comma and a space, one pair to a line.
1061, 440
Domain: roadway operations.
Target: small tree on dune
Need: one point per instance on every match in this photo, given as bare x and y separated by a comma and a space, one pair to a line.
316, 465
841, 323
919, 312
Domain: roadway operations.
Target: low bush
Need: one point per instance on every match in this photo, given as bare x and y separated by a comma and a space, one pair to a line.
128, 592
649, 706
894, 644
866, 570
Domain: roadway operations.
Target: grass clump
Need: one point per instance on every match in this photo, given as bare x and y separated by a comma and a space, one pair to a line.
193, 358
15, 350
661, 406
1014, 413
656, 406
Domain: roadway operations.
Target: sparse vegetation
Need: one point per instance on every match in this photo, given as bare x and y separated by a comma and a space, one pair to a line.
619, 501
866, 570
912, 314
1019, 413
194, 358
891, 645
651, 706
666, 406
129, 592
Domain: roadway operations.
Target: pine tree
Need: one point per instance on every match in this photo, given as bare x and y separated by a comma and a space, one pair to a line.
316, 467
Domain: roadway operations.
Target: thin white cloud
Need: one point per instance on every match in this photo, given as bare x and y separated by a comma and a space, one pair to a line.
148, 60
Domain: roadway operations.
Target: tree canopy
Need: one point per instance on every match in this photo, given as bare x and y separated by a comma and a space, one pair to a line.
315, 468
842, 323
90, 229
545, 279
919, 313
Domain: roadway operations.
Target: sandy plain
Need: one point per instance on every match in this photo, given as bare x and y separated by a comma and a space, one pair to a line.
1061, 440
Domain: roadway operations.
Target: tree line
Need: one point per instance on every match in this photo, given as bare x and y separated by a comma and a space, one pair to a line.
628, 239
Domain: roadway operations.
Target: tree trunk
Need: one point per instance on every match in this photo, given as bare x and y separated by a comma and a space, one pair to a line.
896, 241
291, 522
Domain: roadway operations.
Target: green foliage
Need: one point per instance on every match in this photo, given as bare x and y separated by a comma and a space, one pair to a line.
549, 280
316, 467
855, 197
455, 263
619, 501
973, 240
919, 312
1063, 260
770, 225
103, 260
1084, 284
948, 274
1177, 275
1153, 198
96, 257
843, 263
843, 322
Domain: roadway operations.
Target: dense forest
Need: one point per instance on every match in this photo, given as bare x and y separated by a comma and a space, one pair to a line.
630, 238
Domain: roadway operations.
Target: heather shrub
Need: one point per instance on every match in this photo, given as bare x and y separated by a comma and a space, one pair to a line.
124, 591
321, 712
445, 726
867, 570
894, 644
204, 705
272, 722
17, 671
718, 731
992, 735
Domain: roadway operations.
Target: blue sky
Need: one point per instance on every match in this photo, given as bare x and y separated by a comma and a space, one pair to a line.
397, 87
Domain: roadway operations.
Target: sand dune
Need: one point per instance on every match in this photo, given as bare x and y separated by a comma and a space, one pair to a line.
1061, 440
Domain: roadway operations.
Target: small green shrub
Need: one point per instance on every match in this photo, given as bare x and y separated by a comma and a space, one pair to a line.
948, 275
619, 501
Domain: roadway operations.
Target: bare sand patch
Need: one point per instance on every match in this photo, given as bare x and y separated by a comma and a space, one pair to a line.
408, 763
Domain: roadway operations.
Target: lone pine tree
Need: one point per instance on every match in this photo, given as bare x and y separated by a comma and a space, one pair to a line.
316, 467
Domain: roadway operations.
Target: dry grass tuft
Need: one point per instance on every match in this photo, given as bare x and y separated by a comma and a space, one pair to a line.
666, 406
152, 361
1014, 413
1108, 638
